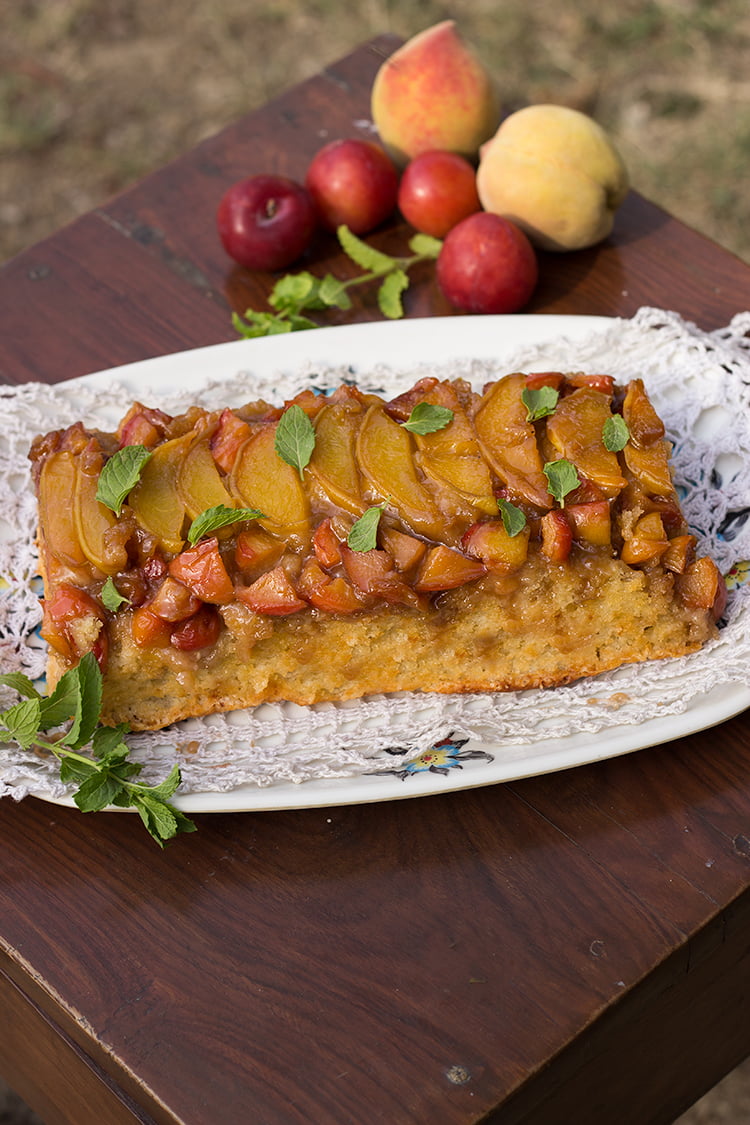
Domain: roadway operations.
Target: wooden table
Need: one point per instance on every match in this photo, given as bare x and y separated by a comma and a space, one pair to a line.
571, 948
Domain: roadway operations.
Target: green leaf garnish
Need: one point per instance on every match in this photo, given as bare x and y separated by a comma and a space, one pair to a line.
20, 683
87, 700
362, 253
22, 721
427, 418
364, 533
295, 438
514, 520
389, 294
111, 597
106, 777
562, 478
219, 516
425, 245
120, 474
295, 294
539, 402
615, 433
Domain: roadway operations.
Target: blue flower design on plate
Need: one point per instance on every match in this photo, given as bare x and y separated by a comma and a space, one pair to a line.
441, 758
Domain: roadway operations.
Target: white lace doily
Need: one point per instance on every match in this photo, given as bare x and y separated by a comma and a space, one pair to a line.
700, 384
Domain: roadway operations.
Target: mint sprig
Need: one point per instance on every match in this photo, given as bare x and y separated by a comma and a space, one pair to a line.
562, 478
294, 295
295, 438
111, 597
105, 776
427, 418
539, 402
514, 520
615, 433
219, 516
363, 535
120, 474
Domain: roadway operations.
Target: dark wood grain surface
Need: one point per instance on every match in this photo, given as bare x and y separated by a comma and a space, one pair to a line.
570, 948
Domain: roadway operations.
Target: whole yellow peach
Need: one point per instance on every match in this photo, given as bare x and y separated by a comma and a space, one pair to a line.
555, 172
434, 93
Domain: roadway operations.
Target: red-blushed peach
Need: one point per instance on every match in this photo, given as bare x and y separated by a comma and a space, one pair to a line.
434, 93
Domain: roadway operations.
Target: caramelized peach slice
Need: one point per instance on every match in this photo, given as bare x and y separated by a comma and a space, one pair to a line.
156, 500
703, 587
256, 550
557, 535
173, 601
645, 425
95, 526
575, 432
225, 442
508, 440
537, 379
57, 486
264, 482
603, 383
679, 554
650, 467
373, 572
406, 551
148, 630
202, 570
333, 463
490, 542
450, 458
591, 522
332, 595
142, 425
446, 569
385, 456
199, 484
73, 623
326, 544
648, 541
272, 594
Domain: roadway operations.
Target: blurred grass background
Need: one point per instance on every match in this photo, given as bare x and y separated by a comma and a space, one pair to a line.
96, 93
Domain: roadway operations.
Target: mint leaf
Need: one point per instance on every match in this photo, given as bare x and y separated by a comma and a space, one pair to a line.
514, 520
157, 816
22, 721
20, 683
389, 294
219, 516
108, 739
61, 705
295, 438
425, 245
87, 704
364, 533
74, 769
167, 787
120, 474
259, 324
539, 402
97, 791
364, 255
427, 418
293, 291
111, 597
615, 433
562, 478
333, 293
